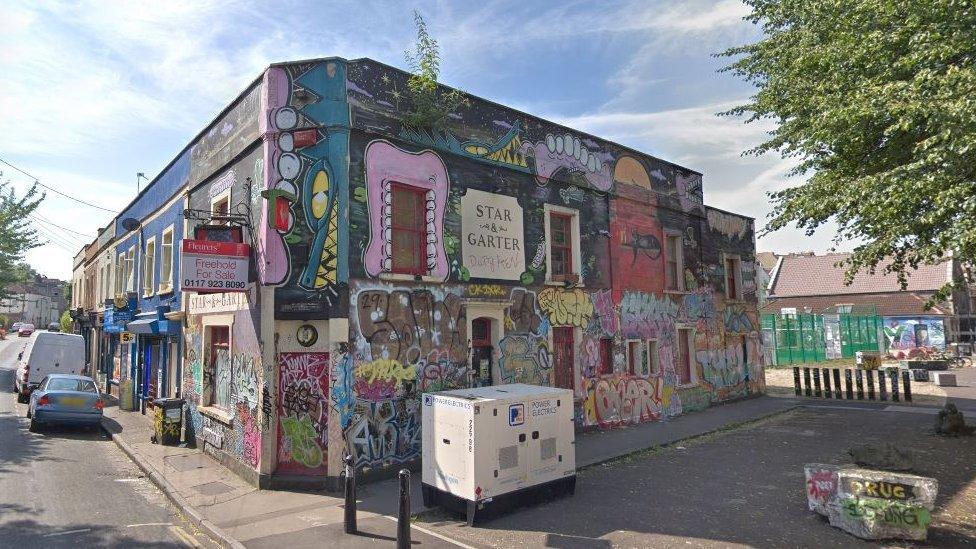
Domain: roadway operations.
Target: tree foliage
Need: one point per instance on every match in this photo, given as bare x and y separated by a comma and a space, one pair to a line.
430, 106
16, 234
65, 322
876, 99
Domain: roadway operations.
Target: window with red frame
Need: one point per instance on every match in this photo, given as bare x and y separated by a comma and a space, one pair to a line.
561, 247
606, 356
408, 230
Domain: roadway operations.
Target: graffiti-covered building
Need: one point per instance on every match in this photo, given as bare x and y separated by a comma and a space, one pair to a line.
309, 265
500, 248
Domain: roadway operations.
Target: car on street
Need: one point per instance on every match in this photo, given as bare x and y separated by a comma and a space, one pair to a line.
47, 353
54, 327
65, 400
25, 330
16, 326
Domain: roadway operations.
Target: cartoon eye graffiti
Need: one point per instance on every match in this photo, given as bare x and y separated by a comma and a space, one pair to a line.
286, 118
319, 201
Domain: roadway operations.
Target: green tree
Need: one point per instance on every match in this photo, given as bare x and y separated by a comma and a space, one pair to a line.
66, 322
430, 106
16, 234
876, 99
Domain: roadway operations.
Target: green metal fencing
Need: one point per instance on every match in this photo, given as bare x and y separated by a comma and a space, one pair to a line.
794, 339
858, 333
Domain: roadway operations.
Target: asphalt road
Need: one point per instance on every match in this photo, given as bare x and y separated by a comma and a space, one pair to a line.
74, 488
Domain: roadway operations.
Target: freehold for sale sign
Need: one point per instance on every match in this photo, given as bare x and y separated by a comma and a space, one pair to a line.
208, 266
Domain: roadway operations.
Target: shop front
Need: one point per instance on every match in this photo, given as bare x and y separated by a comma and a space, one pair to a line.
154, 370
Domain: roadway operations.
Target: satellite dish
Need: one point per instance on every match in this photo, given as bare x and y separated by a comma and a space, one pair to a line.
130, 224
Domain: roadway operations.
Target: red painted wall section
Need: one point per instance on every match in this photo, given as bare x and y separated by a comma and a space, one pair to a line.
636, 246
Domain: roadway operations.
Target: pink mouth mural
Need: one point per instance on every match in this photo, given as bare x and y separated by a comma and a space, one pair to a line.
386, 164
559, 152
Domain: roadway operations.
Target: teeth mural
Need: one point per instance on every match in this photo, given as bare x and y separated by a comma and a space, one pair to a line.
566, 152
385, 164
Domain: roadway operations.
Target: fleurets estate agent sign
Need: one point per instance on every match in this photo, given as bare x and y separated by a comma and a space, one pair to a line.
492, 236
208, 266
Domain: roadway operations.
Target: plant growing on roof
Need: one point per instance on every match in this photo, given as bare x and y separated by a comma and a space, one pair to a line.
430, 107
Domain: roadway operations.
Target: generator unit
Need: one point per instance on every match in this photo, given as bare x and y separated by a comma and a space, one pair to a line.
492, 447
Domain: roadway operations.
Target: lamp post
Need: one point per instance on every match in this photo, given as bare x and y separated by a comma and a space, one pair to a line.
132, 224
140, 176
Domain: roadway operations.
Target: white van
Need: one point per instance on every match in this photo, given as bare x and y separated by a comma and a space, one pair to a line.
48, 353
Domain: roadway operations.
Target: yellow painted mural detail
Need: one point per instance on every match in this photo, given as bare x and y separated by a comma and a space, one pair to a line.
387, 370
566, 307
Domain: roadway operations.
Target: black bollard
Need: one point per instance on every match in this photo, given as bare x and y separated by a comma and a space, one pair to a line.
816, 383
837, 389
906, 384
350, 510
403, 517
826, 382
870, 374
882, 388
796, 381
860, 384
849, 383
893, 374
807, 390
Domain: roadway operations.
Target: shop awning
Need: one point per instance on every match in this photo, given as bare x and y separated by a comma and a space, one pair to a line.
153, 326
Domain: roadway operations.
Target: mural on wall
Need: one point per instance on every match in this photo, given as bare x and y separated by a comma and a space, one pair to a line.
307, 179
491, 156
407, 342
387, 164
303, 412
905, 334
229, 380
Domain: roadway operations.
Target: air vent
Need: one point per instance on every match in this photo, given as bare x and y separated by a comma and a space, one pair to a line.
508, 457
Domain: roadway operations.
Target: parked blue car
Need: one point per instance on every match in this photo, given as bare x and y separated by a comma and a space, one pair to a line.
65, 399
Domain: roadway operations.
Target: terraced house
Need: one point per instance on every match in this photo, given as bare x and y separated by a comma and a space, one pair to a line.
388, 261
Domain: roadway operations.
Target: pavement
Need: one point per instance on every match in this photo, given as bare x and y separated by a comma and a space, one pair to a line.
239, 515
66, 487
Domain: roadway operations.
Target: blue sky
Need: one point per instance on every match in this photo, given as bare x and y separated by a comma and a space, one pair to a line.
95, 92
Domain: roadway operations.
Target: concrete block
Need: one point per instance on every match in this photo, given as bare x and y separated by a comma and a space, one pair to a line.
821, 480
873, 504
943, 379
919, 374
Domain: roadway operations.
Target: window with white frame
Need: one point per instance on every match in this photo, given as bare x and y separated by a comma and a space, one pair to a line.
220, 206
166, 261
733, 277
119, 273
635, 358
685, 367
651, 358
149, 268
130, 275
563, 237
673, 263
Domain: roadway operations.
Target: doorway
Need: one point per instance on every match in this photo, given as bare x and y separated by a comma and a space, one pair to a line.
564, 349
481, 351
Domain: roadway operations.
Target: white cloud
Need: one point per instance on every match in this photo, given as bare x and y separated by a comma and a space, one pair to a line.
698, 139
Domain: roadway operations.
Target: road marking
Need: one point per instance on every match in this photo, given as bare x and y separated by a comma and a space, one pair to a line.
137, 479
911, 410
184, 537
67, 533
149, 524
435, 534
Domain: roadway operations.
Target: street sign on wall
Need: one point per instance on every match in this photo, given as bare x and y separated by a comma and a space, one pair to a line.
207, 266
